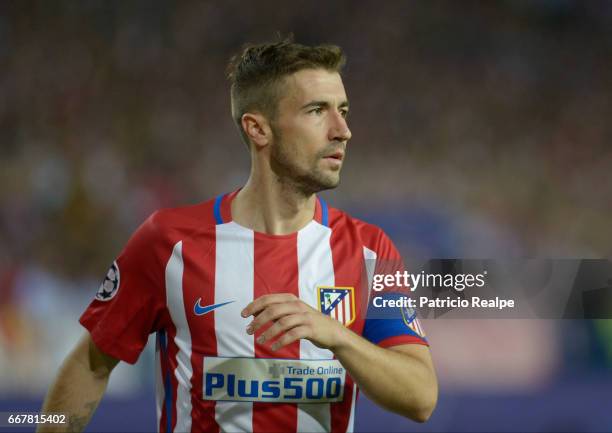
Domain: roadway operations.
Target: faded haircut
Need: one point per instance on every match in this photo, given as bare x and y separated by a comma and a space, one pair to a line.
258, 72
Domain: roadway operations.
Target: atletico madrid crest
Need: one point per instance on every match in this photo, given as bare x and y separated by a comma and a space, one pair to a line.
410, 319
338, 303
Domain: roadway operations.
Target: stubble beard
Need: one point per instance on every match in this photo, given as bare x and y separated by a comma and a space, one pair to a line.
307, 181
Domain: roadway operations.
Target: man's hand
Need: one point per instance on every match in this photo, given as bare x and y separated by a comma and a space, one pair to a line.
291, 319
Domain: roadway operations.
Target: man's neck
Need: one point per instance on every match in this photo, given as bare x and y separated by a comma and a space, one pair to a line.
272, 207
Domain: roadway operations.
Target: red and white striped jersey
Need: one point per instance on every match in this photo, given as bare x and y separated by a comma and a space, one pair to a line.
188, 272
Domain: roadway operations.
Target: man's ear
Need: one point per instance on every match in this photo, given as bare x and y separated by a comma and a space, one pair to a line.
257, 129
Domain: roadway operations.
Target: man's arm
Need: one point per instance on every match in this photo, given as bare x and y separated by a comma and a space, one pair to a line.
401, 378
79, 386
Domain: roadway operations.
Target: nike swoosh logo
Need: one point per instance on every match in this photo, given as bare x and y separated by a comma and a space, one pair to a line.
199, 310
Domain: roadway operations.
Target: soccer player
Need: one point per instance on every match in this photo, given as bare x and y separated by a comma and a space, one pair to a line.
258, 297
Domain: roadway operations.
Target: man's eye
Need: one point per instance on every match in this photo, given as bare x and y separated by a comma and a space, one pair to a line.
317, 110
344, 113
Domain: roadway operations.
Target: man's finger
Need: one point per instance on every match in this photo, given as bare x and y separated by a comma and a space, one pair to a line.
262, 302
292, 335
273, 312
281, 325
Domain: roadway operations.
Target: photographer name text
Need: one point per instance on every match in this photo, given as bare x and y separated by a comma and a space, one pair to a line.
448, 302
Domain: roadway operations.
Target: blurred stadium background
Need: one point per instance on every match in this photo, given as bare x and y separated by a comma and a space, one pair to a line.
480, 129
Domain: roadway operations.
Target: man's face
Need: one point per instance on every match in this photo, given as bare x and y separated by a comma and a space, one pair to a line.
310, 130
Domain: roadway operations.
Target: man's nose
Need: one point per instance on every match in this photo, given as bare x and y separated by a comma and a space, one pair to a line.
339, 130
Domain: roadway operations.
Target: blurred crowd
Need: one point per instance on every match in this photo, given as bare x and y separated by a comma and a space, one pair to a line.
480, 129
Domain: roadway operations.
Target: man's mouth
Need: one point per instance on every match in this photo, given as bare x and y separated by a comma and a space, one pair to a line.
339, 155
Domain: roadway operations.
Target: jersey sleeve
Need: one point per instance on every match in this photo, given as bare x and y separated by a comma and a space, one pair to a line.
390, 326
130, 302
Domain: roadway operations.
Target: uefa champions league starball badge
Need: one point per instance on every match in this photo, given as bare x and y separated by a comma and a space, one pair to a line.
109, 287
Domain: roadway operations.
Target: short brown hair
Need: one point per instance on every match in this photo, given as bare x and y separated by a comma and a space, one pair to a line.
257, 72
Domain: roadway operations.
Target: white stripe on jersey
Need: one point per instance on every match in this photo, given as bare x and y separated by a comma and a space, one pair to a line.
234, 279
370, 263
176, 307
315, 268
349, 427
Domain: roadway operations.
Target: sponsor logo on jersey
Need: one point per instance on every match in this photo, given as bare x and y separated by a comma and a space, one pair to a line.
109, 287
273, 380
199, 310
338, 303
410, 320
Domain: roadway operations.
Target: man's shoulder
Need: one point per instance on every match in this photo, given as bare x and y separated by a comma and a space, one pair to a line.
198, 216
370, 234
340, 218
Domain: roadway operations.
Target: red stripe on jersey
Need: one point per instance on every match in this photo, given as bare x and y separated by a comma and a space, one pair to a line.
198, 283
347, 259
226, 206
275, 259
318, 214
